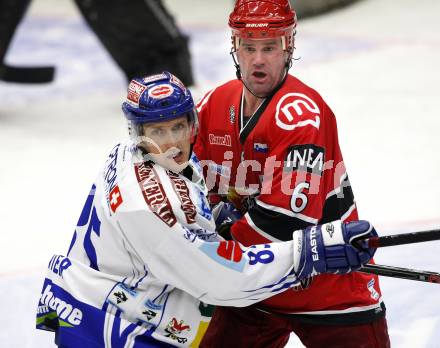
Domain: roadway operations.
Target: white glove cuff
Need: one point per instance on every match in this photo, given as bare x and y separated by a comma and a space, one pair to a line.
297, 238
332, 233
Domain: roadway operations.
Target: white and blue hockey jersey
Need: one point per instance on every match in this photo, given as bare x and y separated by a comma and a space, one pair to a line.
145, 266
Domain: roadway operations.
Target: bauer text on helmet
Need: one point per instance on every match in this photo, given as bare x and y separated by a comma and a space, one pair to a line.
262, 19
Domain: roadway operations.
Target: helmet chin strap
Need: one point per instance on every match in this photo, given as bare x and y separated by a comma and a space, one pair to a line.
164, 159
287, 66
167, 161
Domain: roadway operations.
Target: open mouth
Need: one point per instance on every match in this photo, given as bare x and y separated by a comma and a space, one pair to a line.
174, 154
259, 74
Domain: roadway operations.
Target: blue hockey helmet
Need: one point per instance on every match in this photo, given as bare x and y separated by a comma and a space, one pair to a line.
157, 98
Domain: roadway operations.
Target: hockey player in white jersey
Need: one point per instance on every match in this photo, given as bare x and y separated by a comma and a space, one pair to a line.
145, 264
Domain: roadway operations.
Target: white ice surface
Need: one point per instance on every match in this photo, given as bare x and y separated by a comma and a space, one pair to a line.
376, 63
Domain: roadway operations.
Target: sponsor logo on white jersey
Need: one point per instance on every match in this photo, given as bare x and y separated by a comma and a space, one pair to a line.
150, 304
182, 191
58, 264
220, 140
65, 311
110, 174
154, 194
175, 329
226, 253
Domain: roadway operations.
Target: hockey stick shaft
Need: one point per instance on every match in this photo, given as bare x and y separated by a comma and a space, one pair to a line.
37, 74
404, 238
403, 273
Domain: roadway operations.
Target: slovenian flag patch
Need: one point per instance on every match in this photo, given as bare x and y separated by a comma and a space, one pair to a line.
258, 147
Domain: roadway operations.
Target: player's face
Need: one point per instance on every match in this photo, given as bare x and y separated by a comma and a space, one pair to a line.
262, 64
170, 138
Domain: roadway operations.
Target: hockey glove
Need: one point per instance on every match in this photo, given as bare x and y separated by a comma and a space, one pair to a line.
329, 248
225, 215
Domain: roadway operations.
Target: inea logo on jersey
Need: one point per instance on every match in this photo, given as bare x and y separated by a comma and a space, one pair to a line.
308, 158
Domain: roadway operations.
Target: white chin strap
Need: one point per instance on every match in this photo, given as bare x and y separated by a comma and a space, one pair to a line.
166, 160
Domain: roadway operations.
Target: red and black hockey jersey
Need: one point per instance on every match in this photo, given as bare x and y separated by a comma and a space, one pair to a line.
288, 157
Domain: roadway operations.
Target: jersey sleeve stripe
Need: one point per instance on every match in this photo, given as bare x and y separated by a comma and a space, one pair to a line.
204, 100
287, 212
348, 212
359, 309
337, 190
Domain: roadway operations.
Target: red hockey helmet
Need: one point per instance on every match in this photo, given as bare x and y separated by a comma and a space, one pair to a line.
262, 19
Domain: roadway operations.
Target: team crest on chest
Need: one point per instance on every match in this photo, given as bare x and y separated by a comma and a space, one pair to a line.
297, 110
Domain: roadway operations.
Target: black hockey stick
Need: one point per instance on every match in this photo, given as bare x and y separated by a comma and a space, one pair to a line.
403, 238
403, 273
31, 74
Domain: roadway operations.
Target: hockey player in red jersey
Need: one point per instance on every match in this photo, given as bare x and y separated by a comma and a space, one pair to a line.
269, 144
